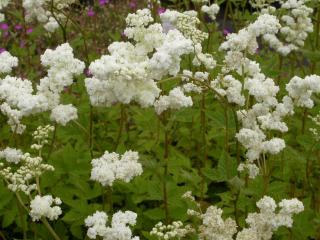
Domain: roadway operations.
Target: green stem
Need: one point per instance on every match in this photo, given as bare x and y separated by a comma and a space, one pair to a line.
303, 122
50, 229
91, 131
121, 125
226, 140
235, 205
23, 225
204, 142
237, 130
317, 42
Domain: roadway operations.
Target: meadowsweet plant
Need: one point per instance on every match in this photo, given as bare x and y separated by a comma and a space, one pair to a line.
158, 120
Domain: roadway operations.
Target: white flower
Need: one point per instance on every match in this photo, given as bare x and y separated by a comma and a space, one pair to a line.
63, 114
41, 206
273, 146
119, 229
175, 100
7, 62
11, 155
250, 168
301, 90
211, 10
262, 225
214, 227
111, 167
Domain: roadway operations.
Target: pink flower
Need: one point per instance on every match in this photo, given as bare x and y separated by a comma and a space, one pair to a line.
132, 4
29, 30
103, 2
90, 12
161, 10
2, 50
226, 32
4, 26
18, 27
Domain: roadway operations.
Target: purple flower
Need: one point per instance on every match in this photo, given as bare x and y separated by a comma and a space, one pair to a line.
29, 30
2, 50
132, 4
226, 32
18, 27
4, 26
161, 10
103, 2
90, 12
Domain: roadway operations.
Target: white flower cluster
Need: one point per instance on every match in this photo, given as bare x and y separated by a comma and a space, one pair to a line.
41, 206
187, 23
119, 229
301, 90
262, 225
11, 155
171, 231
62, 114
111, 167
19, 99
41, 136
129, 72
175, 100
296, 24
245, 42
251, 169
7, 62
26, 168
214, 227
258, 93
229, 87
41, 11
266, 113
256, 144
21, 178
211, 10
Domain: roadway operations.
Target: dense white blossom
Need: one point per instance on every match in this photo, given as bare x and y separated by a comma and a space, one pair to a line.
119, 229
7, 62
215, 227
63, 114
175, 100
296, 23
256, 143
262, 225
130, 71
20, 99
211, 10
301, 90
111, 167
41, 206
11, 155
